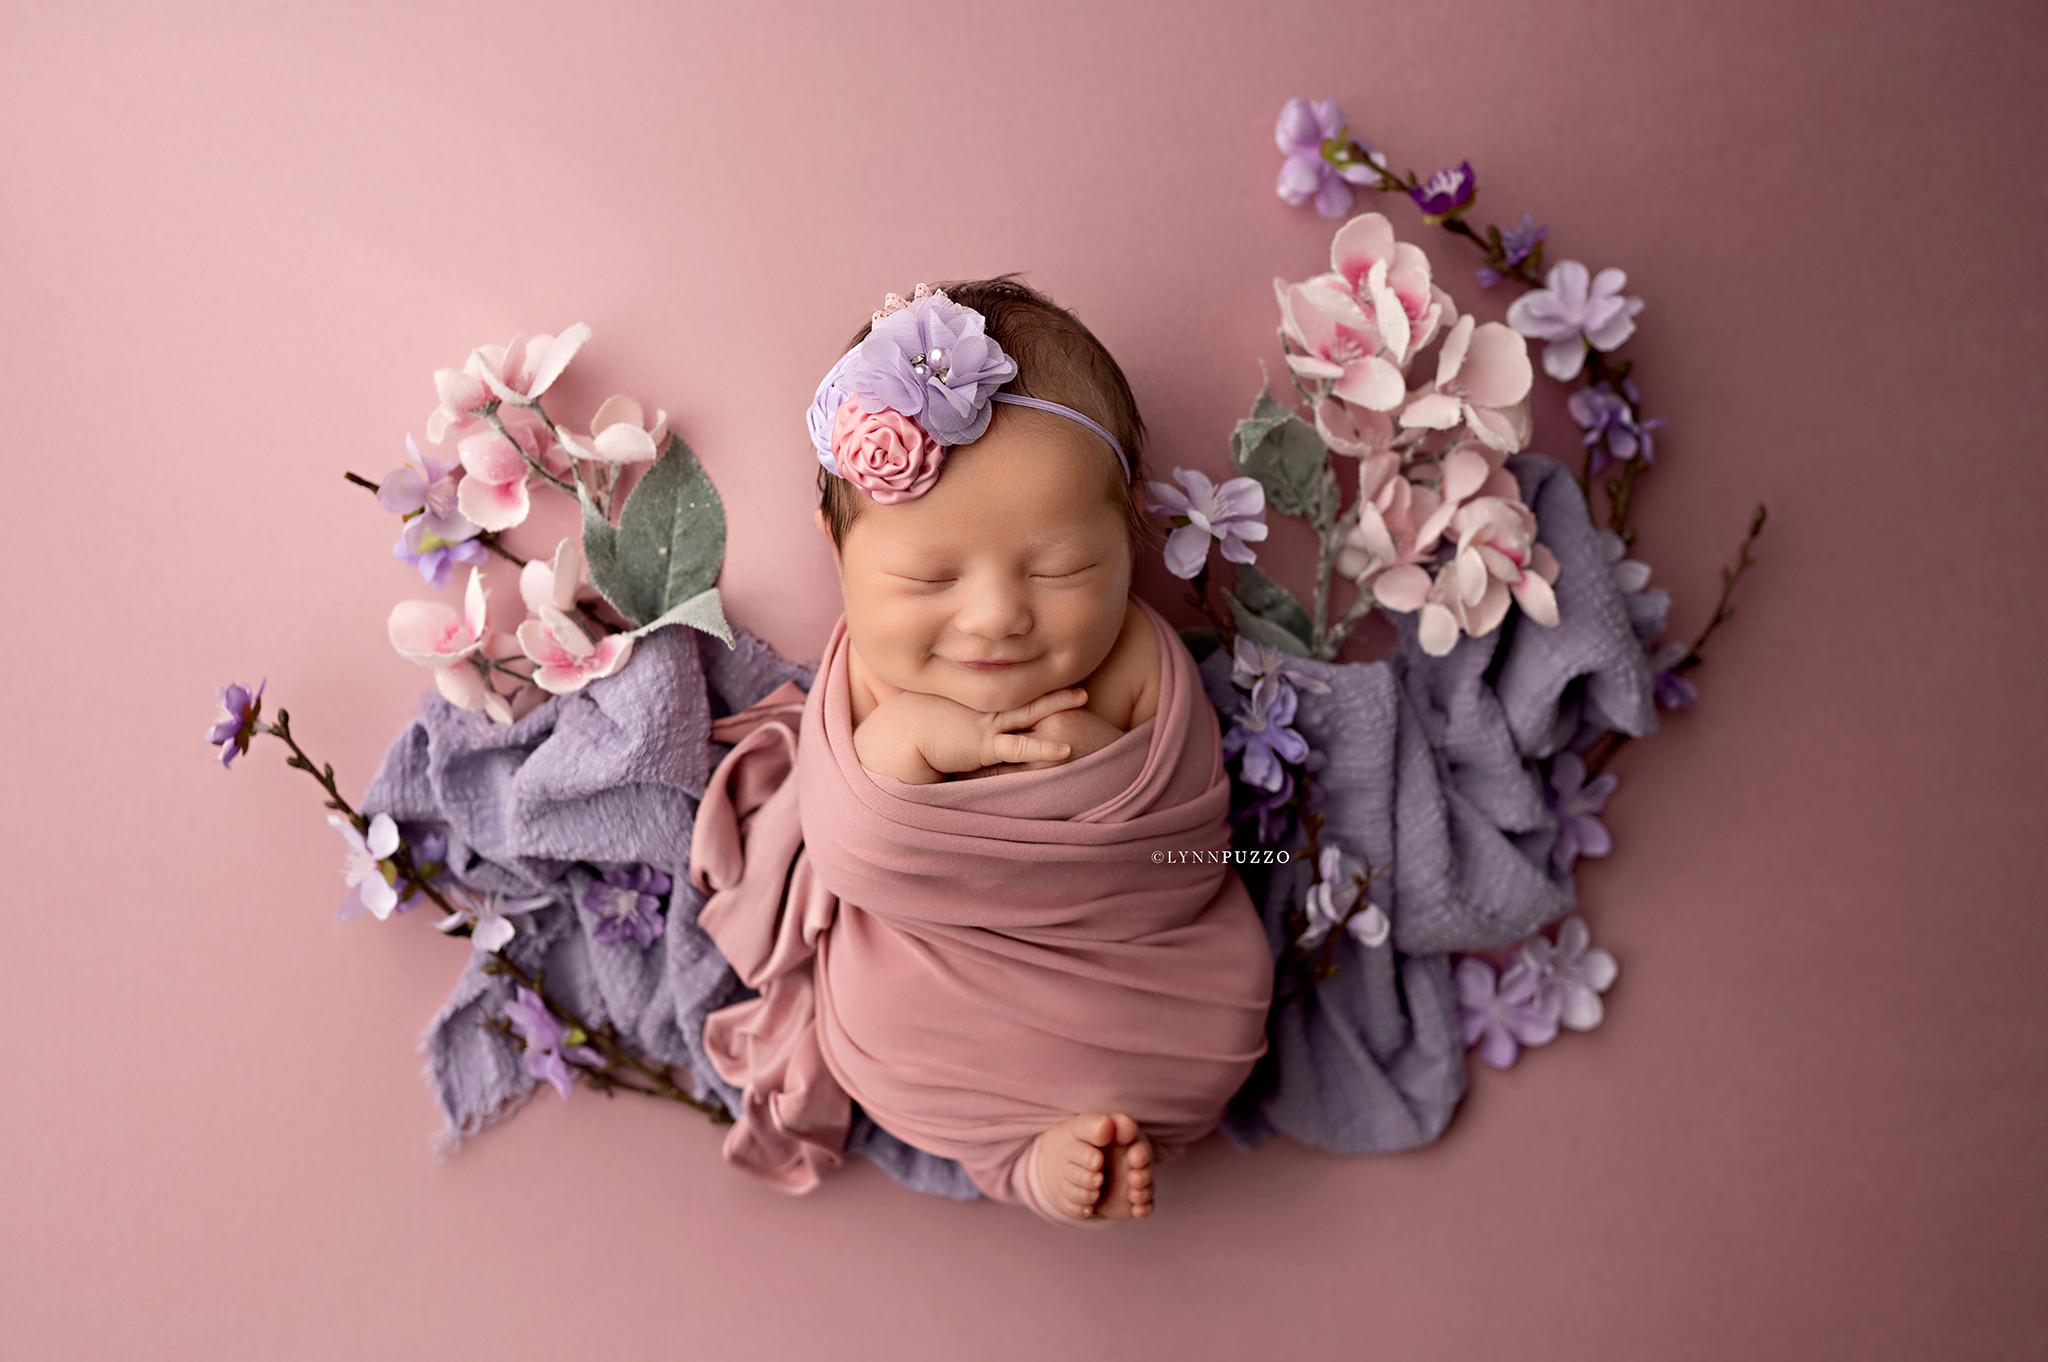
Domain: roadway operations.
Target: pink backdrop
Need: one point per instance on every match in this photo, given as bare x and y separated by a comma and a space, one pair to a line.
238, 238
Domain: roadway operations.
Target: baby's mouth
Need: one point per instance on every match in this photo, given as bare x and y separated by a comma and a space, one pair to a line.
995, 666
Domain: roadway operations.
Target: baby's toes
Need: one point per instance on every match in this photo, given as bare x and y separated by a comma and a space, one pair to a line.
1095, 1129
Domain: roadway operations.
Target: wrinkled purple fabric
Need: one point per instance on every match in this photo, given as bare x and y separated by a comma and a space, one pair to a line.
1428, 772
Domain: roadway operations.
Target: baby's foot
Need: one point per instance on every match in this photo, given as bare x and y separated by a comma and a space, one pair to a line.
1128, 1193
1072, 1158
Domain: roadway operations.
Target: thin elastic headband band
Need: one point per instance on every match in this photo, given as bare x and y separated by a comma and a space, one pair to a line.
1056, 409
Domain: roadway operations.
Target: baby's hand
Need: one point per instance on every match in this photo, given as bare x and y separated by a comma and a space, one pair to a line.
1082, 731
921, 739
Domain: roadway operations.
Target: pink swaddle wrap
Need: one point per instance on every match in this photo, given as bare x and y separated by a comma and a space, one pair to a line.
974, 961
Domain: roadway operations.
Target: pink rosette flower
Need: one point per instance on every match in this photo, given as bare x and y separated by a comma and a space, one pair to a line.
569, 660
619, 433
1483, 377
494, 495
1338, 342
884, 453
1392, 280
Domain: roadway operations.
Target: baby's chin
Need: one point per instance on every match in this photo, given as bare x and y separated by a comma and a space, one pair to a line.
993, 692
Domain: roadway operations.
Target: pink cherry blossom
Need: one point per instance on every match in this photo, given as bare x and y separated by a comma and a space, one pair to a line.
1398, 527
494, 495
1353, 430
1482, 379
1391, 279
433, 635
569, 660
466, 400
366, 867
619, 433
1497, 559
1573, 311
519, 375
1338, 343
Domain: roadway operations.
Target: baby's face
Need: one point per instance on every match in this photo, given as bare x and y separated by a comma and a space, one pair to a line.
1008, 579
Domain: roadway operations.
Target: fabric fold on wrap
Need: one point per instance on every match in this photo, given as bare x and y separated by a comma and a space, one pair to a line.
974, 961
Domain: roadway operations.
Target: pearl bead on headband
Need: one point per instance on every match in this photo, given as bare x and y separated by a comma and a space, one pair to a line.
922, 381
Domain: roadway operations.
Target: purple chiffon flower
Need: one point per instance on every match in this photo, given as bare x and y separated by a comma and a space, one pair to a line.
1502, 1013
1447, 193
1611, 427
1571, 974
1230, 513
1577, 801
931, 360
545, 1055
1674, 691
1323, 159
1261, 732
1516, 244
627, 903
236, 722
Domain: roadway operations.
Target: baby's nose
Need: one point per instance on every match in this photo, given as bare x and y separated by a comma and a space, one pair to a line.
994, 609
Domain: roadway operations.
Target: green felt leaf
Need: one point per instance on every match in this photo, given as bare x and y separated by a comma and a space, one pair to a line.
1269, 600
671, 537
600, 555
703, 611
1287, 457
1259, 629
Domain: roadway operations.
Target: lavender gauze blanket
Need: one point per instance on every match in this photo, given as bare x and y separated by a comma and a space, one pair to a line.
1428, 772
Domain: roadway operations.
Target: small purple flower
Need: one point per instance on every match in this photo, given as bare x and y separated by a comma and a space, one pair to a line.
434, 556
1252, 662
1331, 898
1573, 310
1323, 159
1572, 974
1261, 732
1230, 513
1611, 427
546, 1057
1447, 193
1674, 691
1577, 802
1501, 1014
437, 536
236, 723
1517, 244
627, 903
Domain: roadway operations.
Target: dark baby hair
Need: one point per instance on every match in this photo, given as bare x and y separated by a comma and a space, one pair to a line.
1058, 360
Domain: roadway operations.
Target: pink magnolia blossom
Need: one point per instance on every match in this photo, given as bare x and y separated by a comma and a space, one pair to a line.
619, 433
494, 495
569, 660
519, 375
1391, 279
1482, 379
1573, 311
1338, 343
433, 635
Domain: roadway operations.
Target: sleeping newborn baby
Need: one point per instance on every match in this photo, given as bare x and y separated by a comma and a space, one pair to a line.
939, 867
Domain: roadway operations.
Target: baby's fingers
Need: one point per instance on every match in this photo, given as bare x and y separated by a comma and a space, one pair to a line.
1015, 747
1052, 702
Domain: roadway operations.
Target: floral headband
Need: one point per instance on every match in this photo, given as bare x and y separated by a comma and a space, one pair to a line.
921, 382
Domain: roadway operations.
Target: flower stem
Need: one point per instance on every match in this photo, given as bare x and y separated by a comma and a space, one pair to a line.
498, 423
606, 1041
